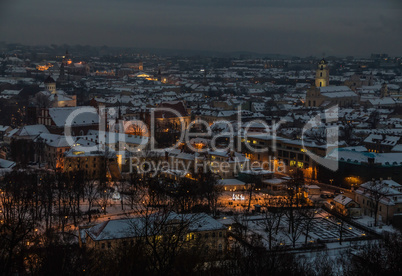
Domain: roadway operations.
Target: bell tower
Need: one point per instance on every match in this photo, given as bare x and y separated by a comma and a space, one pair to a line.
322, 74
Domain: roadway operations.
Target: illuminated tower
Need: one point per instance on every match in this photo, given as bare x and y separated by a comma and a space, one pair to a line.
141, 66
322, 74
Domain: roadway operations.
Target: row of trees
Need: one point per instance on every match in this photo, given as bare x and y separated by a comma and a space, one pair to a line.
36, 207
36, 203
151, 255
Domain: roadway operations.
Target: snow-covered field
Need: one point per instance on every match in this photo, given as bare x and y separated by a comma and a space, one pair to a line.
324, 228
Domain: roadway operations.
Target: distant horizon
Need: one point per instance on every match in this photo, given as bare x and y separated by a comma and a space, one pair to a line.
200, 51
303, 28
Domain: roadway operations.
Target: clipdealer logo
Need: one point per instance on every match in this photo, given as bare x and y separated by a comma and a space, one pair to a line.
112, 136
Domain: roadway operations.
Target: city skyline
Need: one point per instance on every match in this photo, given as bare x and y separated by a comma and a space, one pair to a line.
289, 28
183, 137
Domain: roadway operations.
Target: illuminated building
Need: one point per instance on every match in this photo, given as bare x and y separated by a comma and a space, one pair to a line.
54, 146
389, 193
44, 67
347, 206
97, 164
356, 167
56, 98
200, 229
323, 95
143, 76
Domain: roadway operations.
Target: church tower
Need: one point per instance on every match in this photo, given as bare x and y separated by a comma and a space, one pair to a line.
322, 74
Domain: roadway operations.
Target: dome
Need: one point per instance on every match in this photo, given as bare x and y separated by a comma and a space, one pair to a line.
49, 79
323, 61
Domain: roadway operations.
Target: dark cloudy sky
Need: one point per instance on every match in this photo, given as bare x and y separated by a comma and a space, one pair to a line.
301, 27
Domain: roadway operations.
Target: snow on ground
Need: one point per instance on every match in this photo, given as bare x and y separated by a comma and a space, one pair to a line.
324, 227
369, 222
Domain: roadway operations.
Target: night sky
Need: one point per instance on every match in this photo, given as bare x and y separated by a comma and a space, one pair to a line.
297, 27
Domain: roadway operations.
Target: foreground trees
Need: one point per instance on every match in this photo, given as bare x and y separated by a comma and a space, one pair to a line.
36, 210
377, 258
20, 215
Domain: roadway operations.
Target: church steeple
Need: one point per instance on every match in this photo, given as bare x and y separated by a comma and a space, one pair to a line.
322, 74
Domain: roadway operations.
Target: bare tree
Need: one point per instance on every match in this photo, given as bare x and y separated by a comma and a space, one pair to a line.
211, 189
378, 257
309, 215
18, 219
166, 236
90, 194
377, 191
296, 226
271, 221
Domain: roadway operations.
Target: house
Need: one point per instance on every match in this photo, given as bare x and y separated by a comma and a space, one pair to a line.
274, 185
381, 142
347, 206
232, 184
51, 149
388, 195
312, 190
188, 228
